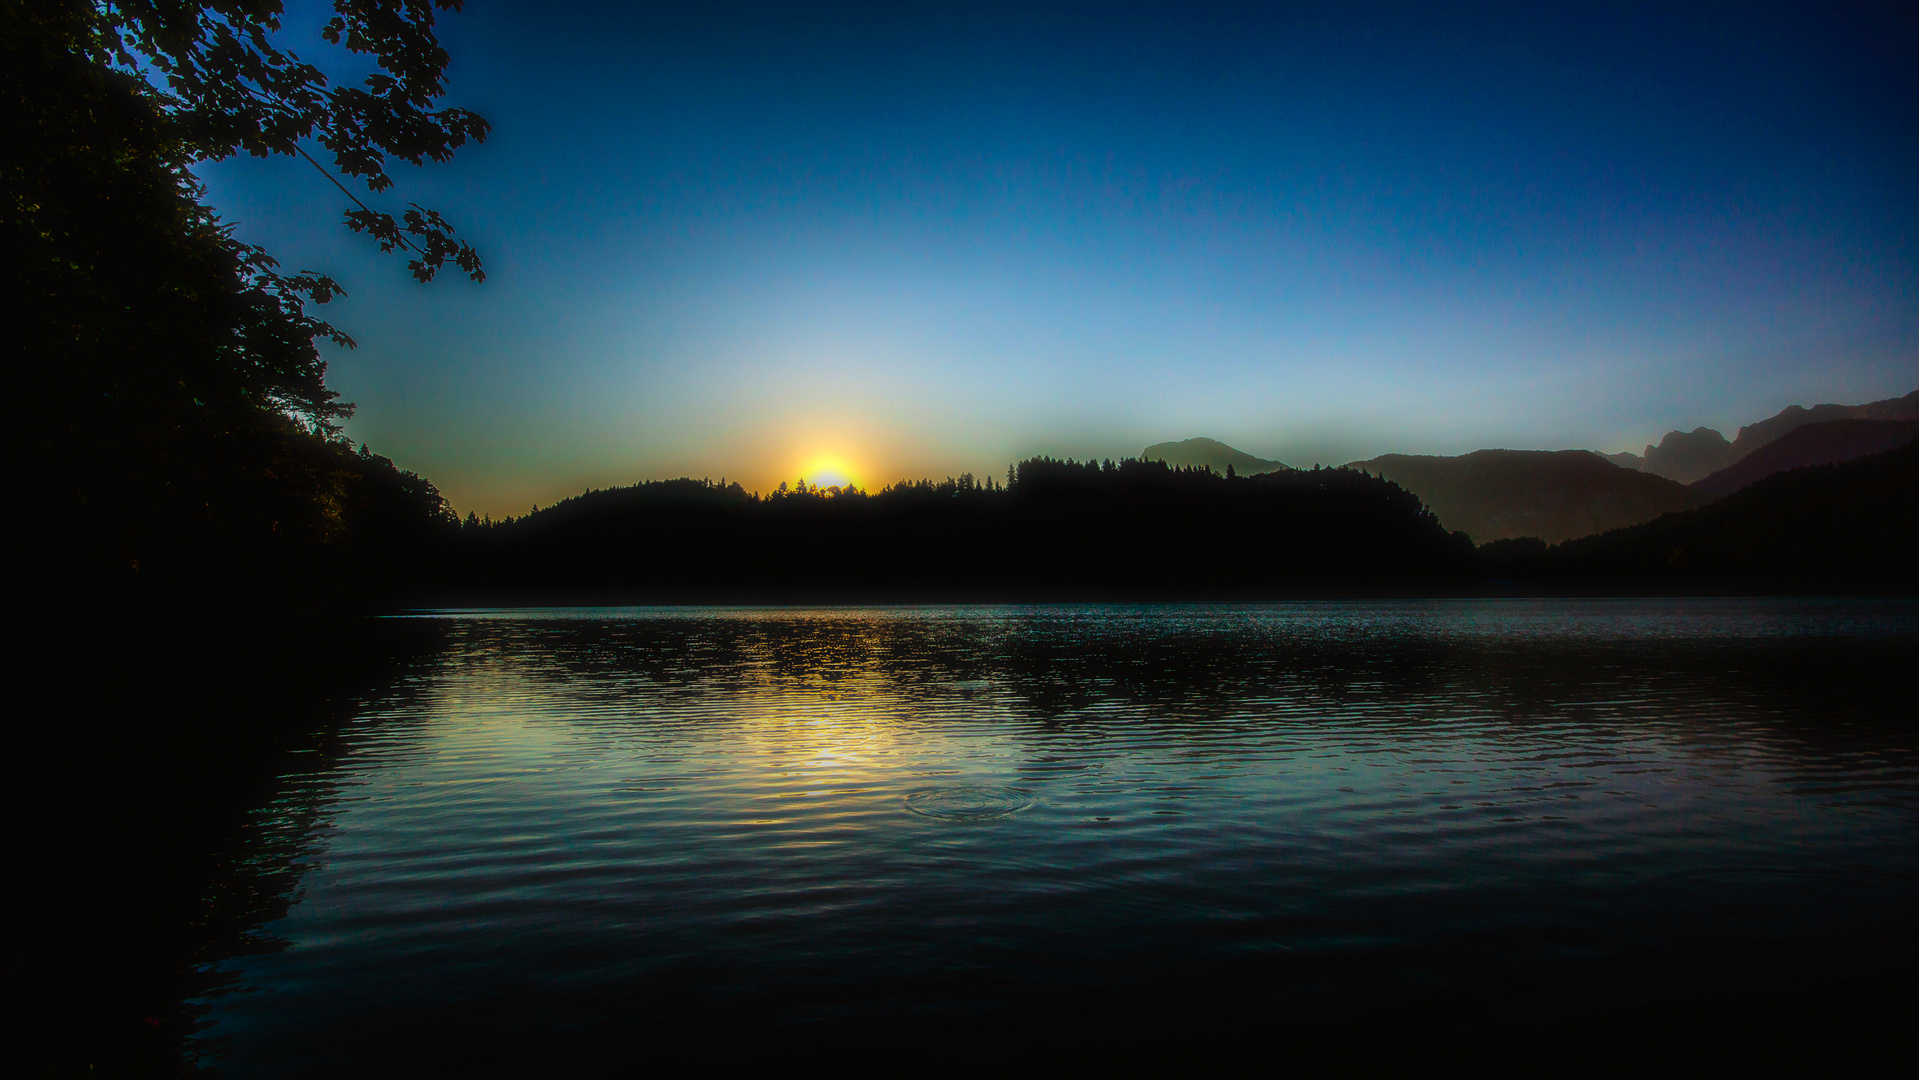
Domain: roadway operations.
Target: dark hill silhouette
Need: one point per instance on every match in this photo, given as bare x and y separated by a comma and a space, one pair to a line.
1826, 526
1059, 530
1209, 454
1551, 494
1825, 443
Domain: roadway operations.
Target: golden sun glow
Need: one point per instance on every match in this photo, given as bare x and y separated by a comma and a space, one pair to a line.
828, 472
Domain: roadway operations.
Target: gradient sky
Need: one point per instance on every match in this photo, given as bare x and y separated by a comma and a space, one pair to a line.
750, 242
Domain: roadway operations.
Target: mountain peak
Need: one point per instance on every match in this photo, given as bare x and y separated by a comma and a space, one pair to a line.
1211, 453
1685, 456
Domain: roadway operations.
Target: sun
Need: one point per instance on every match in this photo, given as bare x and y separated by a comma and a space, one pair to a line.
828, 472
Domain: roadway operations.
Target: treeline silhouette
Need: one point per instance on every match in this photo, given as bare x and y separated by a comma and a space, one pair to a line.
1055, 530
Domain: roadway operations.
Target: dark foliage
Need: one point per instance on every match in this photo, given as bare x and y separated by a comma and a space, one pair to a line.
174, 412
225, 85
124, 290
1515, 559
1059, 530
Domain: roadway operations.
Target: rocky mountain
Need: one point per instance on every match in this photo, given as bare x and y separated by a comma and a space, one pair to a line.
1685, 456
1211, 453
1555, 495
1826, 443
1753, 436
1691, 456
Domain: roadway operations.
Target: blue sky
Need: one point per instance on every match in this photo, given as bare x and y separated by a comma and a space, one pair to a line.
759, 242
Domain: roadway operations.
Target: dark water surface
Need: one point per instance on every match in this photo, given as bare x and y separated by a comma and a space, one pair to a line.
923, 837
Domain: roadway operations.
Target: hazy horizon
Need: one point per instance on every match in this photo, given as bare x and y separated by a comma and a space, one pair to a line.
754, 243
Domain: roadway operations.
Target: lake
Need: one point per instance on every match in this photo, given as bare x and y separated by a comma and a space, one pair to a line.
928, 839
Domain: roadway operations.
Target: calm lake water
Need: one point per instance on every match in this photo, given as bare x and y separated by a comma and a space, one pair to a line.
932, 836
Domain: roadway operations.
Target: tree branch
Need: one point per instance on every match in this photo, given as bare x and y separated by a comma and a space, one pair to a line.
349, 194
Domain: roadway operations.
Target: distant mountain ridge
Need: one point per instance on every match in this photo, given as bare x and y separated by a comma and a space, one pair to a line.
1753, 436
1554, 495
1212, 454
1848, 525
1826, 443
1692, 456
1562, 495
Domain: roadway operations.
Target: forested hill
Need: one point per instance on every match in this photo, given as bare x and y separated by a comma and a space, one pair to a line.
1060, 530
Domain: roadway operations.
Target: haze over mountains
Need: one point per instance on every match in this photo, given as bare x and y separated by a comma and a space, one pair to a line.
1551, 494
1562, 495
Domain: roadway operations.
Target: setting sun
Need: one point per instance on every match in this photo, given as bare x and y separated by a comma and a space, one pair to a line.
828, 472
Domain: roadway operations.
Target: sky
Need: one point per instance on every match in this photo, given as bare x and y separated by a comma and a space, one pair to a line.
870, 243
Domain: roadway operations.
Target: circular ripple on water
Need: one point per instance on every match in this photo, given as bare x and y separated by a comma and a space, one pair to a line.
969, 802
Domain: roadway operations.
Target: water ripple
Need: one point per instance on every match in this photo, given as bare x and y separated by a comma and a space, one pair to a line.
569, 818
969, 802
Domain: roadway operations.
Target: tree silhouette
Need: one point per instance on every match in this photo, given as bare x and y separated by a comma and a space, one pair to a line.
173, 410
218, 75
